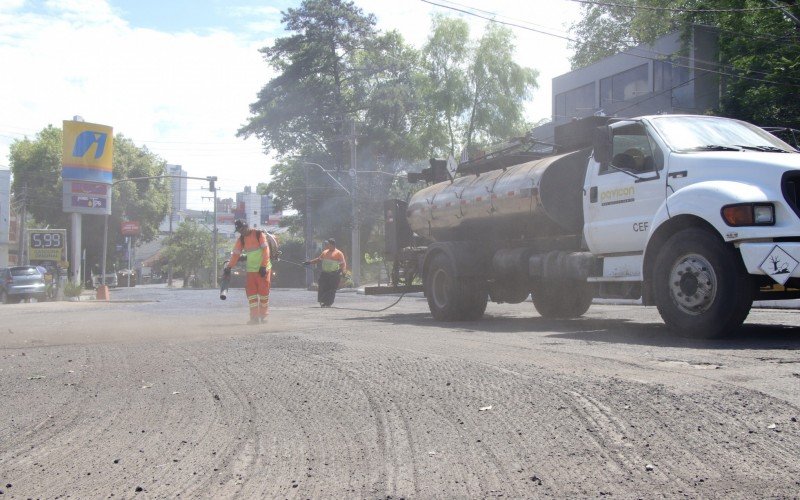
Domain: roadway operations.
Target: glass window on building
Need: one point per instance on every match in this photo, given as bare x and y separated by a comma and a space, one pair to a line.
683, 91
662, 75
624, 86
576, 103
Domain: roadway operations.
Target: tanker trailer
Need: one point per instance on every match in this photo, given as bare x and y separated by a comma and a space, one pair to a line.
499, 231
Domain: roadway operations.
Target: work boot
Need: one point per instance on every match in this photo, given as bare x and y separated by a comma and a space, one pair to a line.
253, 321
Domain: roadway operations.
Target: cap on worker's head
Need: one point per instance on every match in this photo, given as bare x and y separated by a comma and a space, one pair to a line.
331, 242
239, 224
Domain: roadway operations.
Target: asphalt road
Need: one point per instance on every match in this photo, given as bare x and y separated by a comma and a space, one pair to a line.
167, 393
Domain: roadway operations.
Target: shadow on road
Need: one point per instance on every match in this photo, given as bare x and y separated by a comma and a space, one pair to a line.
751, 336
620, 331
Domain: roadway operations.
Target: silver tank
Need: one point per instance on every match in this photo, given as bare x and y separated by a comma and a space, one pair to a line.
530, 200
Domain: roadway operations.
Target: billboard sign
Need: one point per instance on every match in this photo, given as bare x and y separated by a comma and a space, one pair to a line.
47, 244
88, 152
86, 167
87, 197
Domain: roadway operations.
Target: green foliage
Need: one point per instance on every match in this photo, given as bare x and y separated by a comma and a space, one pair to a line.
190, 248
474, 90
72, 290
36, 167
759, 45
607, 29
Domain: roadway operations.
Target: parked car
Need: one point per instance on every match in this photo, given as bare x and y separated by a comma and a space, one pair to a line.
111, 280
126, 277
21, 282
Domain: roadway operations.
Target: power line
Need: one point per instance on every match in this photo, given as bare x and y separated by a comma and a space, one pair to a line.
628, 51
672, 9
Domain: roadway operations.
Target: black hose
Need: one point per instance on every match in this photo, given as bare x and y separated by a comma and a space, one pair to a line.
371, 310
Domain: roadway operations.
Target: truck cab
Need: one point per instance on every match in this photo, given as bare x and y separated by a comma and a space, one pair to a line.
698, 209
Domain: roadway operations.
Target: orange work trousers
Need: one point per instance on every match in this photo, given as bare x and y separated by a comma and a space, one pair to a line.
257, 290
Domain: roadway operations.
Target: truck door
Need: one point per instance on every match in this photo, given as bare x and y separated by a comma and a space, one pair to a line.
622, 196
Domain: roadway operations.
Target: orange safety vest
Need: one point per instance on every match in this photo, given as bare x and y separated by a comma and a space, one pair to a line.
331, 260
255, 243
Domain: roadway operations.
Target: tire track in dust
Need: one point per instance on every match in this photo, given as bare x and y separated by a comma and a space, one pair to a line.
445, 412
232, 411
54, 444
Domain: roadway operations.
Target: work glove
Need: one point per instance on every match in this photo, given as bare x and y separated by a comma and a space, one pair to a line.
226, 271
262, 271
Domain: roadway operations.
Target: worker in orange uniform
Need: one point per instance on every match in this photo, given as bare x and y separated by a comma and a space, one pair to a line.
253, 244
333, 266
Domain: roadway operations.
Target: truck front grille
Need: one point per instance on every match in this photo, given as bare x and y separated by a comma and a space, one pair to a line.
790, 185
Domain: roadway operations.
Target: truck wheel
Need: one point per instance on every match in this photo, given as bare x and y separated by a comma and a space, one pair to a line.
700, 286
451, 298
562, 299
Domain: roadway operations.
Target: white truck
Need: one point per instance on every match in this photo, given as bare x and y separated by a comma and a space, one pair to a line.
697, 215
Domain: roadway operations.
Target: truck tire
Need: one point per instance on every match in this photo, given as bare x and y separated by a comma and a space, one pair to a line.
562, 299
451, 298
700, 285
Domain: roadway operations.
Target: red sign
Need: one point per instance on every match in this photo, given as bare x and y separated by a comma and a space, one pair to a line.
130, 228
89, 188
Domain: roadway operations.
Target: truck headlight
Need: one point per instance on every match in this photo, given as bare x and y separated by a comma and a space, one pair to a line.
749, 214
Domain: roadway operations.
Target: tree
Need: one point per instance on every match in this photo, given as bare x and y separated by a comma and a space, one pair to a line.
610, 28
759, 47
475, 89
335, 69
36, 167
317, 86
190, 249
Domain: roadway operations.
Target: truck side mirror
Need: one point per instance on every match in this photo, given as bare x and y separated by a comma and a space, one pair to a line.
601, 144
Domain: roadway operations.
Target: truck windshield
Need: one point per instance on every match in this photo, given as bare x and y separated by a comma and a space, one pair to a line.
711, 133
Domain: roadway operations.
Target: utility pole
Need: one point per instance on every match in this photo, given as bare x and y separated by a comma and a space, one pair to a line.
307, 234
23, 216
169, 264
355, 259
213, 188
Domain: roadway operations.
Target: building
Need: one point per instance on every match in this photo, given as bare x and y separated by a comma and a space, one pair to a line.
5, 215
254, 208
178, 187
674, 75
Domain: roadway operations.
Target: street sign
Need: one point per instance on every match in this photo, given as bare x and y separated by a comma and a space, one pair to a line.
130, 228
47, 244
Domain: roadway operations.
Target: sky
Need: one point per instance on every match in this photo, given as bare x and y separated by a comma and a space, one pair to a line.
178, 76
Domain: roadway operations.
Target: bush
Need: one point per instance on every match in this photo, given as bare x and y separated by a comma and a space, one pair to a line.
72, 290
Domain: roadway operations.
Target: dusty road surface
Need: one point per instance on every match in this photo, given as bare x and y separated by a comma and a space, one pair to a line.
176, 396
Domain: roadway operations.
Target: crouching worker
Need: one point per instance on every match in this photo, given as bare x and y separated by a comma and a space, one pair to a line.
333, 265
253, 243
